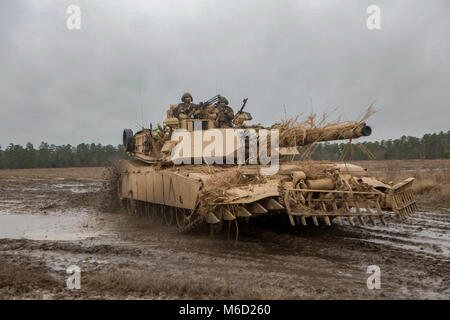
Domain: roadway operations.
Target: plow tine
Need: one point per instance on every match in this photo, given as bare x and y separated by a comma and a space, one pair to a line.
358, 209
361, 219
408, 198
338, 218
335, 208
291, 220
382, 220
327, 221
350, 219
369, 212
316, 223
377, 205
347, 207
303, 221
399, 214
368, 209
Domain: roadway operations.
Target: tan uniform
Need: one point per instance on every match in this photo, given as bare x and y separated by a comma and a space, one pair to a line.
184, 108
224, 117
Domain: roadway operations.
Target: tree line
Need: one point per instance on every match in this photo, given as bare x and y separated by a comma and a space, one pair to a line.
430, 146
51, 156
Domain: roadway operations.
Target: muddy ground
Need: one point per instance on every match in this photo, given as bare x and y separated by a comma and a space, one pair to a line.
53, 218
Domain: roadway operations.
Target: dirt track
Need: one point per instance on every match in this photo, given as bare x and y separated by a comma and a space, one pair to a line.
53, 218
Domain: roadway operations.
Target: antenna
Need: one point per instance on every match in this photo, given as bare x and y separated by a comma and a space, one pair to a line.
216, 56
140, 98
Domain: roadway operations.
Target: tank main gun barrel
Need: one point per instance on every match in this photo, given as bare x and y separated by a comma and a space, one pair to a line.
302, 137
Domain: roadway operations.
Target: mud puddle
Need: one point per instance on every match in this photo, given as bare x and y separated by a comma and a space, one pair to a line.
425, 233
48, 227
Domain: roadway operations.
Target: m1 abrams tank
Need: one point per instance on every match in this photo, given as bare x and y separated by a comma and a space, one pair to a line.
182, 186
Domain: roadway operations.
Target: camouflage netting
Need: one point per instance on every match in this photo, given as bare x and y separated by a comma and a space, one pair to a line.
293, 131
215, 188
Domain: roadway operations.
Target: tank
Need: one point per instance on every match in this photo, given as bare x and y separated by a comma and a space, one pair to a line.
228, 183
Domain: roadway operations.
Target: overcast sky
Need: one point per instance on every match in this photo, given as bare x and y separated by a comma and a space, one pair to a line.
134, 58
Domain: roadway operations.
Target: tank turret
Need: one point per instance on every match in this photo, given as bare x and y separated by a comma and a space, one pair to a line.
155, 146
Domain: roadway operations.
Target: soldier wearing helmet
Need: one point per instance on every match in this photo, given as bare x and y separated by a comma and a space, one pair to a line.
226, 114
186, 109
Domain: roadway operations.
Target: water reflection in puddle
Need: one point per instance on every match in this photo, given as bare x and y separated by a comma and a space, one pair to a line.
50, 227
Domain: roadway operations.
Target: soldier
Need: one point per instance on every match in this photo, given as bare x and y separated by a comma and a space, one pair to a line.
225, 116
186, 109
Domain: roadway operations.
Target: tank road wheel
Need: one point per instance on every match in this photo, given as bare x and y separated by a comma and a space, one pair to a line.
131, 207
168, 215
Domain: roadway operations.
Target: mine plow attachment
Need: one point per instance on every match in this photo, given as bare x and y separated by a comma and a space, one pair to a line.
325, 205
402, 198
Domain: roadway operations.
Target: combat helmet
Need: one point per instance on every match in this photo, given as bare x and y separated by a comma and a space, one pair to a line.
185, 95
223, 99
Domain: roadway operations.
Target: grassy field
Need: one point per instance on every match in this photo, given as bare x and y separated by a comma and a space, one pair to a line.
432, 184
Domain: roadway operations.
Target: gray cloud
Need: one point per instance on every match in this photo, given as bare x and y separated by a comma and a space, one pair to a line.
66, 86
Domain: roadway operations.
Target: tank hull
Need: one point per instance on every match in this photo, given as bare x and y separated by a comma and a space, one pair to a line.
303, 191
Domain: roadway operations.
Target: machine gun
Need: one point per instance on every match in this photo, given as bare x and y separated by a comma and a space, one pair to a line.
204, 109
242, 116
201, 108
244, 102
209, 102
